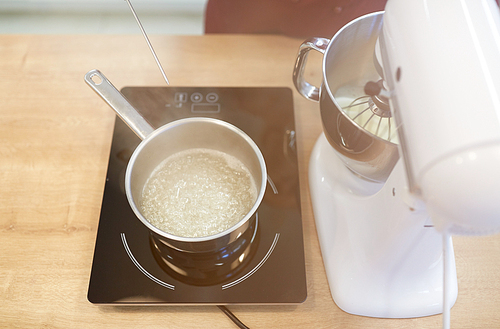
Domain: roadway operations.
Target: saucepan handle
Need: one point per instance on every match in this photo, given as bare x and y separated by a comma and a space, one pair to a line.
306, 89
115, 99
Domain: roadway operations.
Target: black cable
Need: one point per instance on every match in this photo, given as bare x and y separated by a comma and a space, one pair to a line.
233, 318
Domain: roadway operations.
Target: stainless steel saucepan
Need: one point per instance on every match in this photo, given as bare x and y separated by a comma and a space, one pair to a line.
176, 136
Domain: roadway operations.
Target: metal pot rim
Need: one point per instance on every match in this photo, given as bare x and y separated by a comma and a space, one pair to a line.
175, 123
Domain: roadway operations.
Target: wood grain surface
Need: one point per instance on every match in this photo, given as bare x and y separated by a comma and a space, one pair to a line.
55, 140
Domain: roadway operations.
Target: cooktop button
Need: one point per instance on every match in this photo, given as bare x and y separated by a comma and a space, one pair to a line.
212, 97
196, 97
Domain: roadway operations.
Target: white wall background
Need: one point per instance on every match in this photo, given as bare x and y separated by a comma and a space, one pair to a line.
101, 16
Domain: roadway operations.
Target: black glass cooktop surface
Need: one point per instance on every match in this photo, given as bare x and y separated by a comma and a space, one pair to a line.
125, 269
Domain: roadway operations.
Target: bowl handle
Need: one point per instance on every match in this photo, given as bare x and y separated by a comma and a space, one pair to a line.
303, 87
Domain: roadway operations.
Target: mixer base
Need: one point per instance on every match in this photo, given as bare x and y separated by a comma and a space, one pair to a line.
382, 257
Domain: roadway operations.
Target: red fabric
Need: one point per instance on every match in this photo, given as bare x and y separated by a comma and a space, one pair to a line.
296, 18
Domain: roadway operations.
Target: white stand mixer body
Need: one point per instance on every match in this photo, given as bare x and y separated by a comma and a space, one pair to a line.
382, 256
382, 253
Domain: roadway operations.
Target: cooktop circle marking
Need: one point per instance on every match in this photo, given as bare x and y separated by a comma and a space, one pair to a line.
271, 183
266, 257
142, 269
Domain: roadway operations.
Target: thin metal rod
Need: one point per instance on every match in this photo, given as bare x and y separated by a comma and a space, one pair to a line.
389, 128
360, 113
357, 99
373, 114
378, 126
147, 41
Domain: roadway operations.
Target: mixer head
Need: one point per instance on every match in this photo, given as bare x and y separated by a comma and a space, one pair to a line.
445, 96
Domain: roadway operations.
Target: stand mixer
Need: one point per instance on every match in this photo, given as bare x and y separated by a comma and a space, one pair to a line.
410, 104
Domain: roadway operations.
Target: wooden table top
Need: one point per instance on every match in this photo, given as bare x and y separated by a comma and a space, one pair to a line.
55, 141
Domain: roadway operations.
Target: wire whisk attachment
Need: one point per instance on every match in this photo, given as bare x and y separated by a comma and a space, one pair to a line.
372, 113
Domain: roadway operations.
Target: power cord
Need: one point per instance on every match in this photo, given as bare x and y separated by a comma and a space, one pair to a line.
233, 318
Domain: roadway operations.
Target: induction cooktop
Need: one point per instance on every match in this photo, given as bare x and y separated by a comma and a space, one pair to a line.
125, 270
